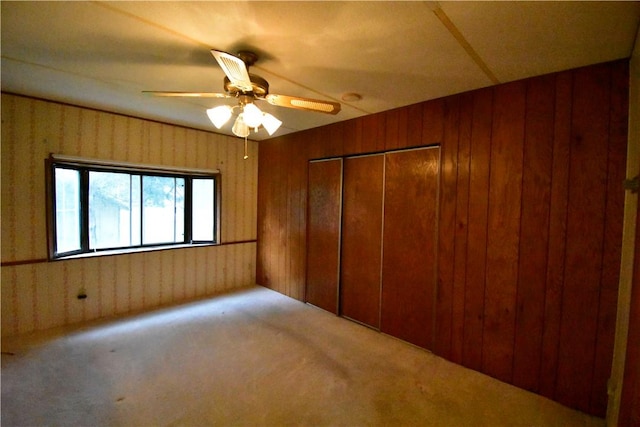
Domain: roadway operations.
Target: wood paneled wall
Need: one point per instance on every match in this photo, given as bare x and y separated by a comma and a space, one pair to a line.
530, 222
37, 294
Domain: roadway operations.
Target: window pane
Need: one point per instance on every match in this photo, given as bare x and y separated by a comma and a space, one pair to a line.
98, 208
203, 209
136, 218
109, 210
67, 183
163, 208
179, 236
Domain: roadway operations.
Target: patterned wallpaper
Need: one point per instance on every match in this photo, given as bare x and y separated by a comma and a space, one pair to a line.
37, 294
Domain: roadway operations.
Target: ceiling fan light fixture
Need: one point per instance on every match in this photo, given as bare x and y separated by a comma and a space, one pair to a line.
270, 123
240, 128
219, 115
252, 115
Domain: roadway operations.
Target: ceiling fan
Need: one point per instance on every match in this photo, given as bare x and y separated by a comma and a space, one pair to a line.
248, 88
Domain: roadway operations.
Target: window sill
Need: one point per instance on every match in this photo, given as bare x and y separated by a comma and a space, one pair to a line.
132, 251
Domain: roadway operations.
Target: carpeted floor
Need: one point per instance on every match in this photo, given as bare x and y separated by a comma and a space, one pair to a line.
250, 358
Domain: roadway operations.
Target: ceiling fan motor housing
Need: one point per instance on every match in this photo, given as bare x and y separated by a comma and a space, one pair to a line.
260, 87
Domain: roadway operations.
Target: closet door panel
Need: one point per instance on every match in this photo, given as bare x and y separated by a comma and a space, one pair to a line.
323, 233
362, 239
409, 257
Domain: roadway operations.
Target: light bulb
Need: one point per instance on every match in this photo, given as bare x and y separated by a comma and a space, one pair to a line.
270, 123
240, 128
219, 115
252, 115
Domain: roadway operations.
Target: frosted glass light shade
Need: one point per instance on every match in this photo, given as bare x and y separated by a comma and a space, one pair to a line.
240, 128
252, 115
219, 115
270, 123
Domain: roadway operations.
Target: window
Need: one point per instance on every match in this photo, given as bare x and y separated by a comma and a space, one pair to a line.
95, 207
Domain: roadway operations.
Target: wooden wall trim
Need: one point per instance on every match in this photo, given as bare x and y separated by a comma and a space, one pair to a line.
45, 260
24, 262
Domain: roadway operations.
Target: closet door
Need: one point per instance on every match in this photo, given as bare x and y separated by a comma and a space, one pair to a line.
362, 239
323, 233
409, 259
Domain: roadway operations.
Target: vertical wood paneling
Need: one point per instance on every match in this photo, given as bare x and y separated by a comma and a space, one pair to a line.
44, 141
282, 231
414, 126
24, 312
121, 294
180, 145
9, 301
373, 132
92, 284
21, 209
213, 276
87, 131
119, 146
44, 295
74, 274
480, 154
190, 267
528, 222
104, 136
585, 229
32, 164
165, 147
135, 132
353, 137
505, 187
56, 300
43, 305
461, 228
334, 141
612, 254
137, 283
108, 285
316, 145
446, 226
36, 296
263, 218
7, 184
296, 214
557, 233
534, 231
392, 129
230, 191
433, 122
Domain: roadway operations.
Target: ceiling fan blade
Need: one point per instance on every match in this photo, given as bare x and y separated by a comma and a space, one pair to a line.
234, 68
304, 103
186, 94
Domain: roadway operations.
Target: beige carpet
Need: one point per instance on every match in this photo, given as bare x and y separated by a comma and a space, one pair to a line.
250, 358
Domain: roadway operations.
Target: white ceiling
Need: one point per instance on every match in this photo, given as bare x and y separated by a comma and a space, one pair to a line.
103, 54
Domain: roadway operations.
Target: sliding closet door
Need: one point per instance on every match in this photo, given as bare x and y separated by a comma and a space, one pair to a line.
362, 239
408, 271
323, 233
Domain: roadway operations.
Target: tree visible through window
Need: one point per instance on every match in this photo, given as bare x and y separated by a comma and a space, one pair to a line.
97, 208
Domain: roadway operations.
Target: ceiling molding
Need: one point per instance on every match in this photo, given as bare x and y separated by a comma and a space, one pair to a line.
451, 27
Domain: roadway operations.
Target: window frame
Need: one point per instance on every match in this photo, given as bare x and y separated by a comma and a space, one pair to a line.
84, 166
